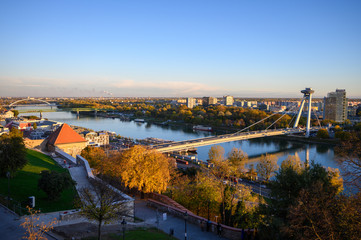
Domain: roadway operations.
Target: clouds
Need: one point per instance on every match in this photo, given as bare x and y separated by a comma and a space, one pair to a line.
100, 86
167, 88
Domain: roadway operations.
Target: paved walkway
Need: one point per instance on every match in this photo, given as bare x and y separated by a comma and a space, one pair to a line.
149, 216
10, 225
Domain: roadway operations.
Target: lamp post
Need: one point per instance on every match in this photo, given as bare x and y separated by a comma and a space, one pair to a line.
134, 208
8, 176
123, 226
185, 225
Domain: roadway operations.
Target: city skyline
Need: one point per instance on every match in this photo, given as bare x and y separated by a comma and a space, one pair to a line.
194, 49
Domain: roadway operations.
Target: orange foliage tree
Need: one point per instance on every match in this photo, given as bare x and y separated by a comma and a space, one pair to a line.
141, 168
33, 229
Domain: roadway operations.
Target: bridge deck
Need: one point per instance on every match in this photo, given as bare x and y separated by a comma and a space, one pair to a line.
187, 144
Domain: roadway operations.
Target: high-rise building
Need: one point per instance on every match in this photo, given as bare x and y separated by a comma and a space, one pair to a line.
228, 100
191, 102
209, 101
335, 106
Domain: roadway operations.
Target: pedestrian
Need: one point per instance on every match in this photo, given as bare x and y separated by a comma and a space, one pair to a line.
208, 225
202, 225
219, 229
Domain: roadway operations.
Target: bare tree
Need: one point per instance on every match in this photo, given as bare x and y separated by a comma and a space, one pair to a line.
267, 166
102, 204
33, 228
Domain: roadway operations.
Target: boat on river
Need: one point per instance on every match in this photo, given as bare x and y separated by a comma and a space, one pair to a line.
202, 128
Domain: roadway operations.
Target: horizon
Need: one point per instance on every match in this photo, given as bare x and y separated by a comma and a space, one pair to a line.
182, 49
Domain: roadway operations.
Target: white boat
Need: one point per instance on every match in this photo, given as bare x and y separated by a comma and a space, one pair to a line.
139, 120
202, 128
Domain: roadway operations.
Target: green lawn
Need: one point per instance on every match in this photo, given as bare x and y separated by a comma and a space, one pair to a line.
25, 184
138, 234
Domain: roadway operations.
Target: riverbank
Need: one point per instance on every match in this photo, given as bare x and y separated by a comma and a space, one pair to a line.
303, 139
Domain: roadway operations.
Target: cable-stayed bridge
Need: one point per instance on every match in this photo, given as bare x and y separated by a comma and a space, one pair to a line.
242, 135
190, 144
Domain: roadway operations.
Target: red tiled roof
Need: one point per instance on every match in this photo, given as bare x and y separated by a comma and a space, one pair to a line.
64, 134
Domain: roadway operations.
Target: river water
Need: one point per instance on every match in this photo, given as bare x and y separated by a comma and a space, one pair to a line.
320, 153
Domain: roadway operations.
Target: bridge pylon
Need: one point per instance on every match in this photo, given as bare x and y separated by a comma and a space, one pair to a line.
307, 96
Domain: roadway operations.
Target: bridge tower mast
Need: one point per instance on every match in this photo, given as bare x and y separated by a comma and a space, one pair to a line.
307, 95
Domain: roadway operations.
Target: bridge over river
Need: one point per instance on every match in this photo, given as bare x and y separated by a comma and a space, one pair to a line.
243, 135
193, 143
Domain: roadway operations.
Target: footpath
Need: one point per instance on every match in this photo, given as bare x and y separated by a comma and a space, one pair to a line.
79, 227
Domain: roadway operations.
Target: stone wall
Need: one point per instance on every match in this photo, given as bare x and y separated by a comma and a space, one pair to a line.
72, 149
168, 201
29, 143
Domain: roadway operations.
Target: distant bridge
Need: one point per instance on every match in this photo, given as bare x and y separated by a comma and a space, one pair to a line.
29, 99
189, 144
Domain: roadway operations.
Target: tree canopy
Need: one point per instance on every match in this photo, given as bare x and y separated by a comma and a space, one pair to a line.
54, 183
267, 166
12, 152
141, 168
94, 155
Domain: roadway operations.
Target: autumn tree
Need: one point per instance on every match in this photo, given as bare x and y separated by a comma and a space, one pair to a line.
323, 133
144, 169
34, 230
320, 214
349, 158
289, 184
216, 154
94, 155
206, 194
293, 162
312, 217
267, 166
102, 204
12, 152
237, 160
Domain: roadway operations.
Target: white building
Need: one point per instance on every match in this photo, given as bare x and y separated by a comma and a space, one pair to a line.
228, 100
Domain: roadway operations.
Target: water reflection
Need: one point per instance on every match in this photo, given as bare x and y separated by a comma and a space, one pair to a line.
320, 153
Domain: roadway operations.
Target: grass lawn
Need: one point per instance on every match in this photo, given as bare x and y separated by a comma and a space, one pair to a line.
138, 234
25, 184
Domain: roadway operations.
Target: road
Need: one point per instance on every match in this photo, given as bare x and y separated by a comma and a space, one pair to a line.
10, 225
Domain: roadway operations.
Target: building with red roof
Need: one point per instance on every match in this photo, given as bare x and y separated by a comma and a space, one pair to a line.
66, 139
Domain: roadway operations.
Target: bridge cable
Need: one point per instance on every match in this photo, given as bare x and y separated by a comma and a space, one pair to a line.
319, 123
256, 123
286, 112
294, 115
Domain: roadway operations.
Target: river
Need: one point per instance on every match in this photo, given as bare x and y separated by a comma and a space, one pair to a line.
320, 153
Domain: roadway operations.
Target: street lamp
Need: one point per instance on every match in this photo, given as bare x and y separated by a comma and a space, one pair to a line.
8, 175
123, 226
185, 225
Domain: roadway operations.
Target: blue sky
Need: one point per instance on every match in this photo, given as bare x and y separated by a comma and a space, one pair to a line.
179, 48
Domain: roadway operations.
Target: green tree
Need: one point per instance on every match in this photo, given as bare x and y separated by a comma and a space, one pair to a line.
16, 113
267, 166
323, 133
54, 183
206, 195
12, 152
102, 204
287, 188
